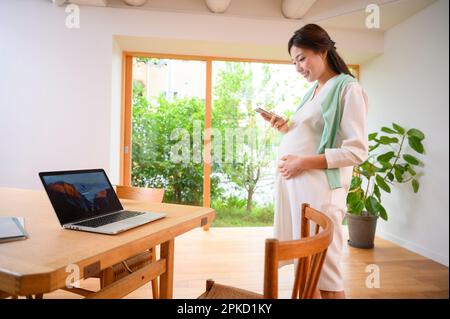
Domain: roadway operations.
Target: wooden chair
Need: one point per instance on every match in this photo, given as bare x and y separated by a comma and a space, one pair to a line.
310, 251
120, 270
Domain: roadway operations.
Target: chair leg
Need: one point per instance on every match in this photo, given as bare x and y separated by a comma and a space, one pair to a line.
155, 286
209, 284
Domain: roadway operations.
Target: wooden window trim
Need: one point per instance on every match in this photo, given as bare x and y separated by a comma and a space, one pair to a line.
126, 119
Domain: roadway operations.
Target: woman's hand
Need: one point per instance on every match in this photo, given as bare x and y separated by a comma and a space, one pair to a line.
277, 122
291, 166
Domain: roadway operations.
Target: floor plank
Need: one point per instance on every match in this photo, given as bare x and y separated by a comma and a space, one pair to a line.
235, 256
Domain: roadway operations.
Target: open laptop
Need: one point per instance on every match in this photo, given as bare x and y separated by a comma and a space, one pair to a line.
85, 200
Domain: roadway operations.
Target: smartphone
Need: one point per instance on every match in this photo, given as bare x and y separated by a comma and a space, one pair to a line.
260, 110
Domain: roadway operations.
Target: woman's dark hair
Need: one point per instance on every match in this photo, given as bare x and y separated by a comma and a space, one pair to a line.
314, 37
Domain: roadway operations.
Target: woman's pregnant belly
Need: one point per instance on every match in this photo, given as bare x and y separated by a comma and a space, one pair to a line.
296, 142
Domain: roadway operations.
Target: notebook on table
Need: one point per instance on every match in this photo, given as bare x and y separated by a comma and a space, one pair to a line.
12, 228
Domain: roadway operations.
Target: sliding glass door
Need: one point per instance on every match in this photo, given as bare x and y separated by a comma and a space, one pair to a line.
244, 145
168, 110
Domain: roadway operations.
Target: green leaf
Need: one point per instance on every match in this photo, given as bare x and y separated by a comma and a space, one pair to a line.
372, 136
415, 185
390, 176
416, 133
385, 167
376, 191
353, 198
382, 184
400, 168
386, 157
356, 182
411, 159
415, 144
398, 172
398, 128
371, 205
367, 169
371, 148
388, 130
385, 140
411, 171
382, 212
357, 208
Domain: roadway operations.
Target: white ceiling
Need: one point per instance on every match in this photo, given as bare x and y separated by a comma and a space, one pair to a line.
345, 14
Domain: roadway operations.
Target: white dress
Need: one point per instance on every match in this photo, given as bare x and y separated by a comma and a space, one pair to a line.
311, 186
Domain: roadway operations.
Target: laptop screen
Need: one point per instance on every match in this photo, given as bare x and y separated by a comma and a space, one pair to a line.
76, 195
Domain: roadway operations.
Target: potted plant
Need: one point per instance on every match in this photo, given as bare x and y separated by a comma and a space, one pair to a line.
388, 164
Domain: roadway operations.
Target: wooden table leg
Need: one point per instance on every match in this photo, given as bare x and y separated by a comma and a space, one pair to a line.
166, 280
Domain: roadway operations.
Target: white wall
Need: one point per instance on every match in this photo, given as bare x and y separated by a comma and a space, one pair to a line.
116, 112
60, 87
408, 85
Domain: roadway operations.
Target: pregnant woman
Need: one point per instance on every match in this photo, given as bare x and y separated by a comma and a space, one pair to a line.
325, 138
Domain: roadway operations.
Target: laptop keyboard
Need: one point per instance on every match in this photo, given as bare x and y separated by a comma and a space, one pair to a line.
108, 219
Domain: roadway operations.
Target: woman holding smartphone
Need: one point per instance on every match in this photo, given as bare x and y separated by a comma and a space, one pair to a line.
325, 138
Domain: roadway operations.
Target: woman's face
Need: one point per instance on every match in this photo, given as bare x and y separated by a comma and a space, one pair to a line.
309, 64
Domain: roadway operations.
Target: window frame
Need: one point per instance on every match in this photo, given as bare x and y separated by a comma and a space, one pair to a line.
126, 114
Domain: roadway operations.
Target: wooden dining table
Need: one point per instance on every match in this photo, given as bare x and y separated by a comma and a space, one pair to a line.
51, 256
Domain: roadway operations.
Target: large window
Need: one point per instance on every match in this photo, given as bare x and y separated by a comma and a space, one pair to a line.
192, 130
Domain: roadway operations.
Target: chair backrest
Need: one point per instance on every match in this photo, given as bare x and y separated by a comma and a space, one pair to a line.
310, 251
153, 195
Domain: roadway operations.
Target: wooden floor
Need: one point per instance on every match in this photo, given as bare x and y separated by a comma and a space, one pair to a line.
234, 256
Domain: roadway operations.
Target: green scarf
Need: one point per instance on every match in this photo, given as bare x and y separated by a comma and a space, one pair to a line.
331, 113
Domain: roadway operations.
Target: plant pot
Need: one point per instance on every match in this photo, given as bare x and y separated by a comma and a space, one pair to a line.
361, 230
